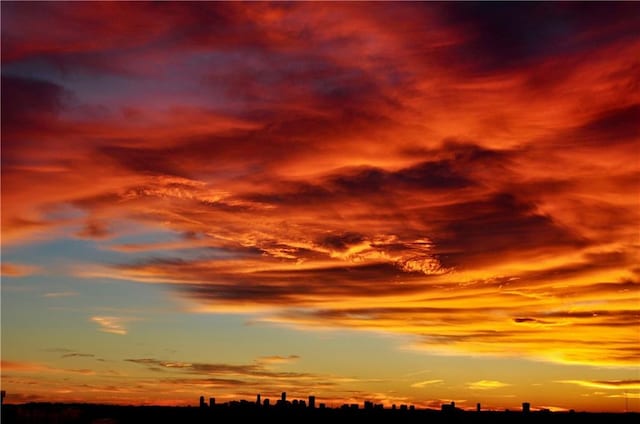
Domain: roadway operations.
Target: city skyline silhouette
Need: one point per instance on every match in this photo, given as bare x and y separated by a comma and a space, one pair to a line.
284, 410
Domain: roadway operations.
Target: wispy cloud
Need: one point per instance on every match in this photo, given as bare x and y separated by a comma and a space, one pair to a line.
278, 359
261, 376
421, 384
625, 395
606, 384
36, 367
78, 355
110, 324
21, 366
486, 385
255, 370
61, 294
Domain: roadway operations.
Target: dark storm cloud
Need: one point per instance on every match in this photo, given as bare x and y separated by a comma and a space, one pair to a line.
23, 98
443, 175
167, 25
206, 282
143, 160
28, 105
499, 35
501, 223
619, 125
341, 241
426, 175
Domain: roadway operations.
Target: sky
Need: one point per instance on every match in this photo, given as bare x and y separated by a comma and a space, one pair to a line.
402, 202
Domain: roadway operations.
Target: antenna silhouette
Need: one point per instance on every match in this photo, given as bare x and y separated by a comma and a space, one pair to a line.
626, 402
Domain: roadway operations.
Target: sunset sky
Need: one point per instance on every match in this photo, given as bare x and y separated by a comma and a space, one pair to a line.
398, 202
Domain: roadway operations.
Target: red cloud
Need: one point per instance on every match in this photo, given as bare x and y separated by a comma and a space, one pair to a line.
420, 169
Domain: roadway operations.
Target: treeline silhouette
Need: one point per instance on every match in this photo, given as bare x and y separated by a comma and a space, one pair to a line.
286, 412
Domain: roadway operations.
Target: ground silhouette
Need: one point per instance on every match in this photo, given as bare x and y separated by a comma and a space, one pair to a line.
285, 412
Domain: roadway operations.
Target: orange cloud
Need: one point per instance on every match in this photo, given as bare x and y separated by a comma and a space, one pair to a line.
21, 366
17, 270
32, 367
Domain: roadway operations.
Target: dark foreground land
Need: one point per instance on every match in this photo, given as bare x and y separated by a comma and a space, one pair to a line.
108, 414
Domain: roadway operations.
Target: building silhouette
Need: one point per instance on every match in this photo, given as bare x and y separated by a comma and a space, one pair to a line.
309, 410
240, 411
294, 411
448, 407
